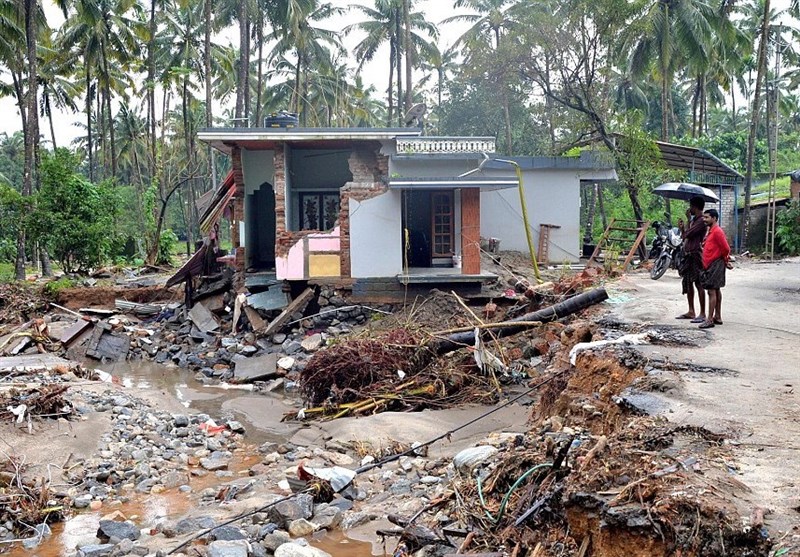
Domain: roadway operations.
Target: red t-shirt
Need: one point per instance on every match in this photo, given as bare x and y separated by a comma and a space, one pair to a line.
715, 246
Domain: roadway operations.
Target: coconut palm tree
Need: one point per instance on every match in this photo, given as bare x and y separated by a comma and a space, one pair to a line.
58, 90
662, 38
312, 47
384, 25
437, 65
103, 34
491, 22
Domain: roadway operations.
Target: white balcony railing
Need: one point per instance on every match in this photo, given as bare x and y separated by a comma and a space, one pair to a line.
444, 145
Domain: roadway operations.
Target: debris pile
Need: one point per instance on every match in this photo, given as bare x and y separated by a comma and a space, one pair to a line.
338, 373
591, 478
43, 401
19, 302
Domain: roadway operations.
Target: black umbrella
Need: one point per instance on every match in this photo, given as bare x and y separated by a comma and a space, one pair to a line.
685, 191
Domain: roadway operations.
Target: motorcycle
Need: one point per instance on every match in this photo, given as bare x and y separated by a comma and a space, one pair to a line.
667, 249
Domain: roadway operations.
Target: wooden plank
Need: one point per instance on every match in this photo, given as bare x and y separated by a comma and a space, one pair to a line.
99, 311
256, 322
298, 304
74, 331
35, 362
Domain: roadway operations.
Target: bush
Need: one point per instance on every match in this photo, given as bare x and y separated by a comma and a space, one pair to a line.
74, 217
52, 288
166, 247
787, 228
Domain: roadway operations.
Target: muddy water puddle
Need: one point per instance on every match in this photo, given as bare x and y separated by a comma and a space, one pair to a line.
260, 414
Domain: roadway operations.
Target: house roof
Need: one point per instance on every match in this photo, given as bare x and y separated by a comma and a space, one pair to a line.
588, 160
267, 138
701, 166
482, 182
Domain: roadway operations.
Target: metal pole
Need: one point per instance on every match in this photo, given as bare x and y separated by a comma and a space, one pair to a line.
521, 189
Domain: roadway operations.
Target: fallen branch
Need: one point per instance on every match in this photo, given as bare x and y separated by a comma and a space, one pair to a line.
552, 313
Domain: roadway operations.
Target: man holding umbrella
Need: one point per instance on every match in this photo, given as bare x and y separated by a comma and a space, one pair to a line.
693, 235
692, 265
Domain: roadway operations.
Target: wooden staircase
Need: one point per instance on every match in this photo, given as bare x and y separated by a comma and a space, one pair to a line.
624, 237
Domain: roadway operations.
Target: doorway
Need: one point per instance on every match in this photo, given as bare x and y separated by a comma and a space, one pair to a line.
429, 228
261, 228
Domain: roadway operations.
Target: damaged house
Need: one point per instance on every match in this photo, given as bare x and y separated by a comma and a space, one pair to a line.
381, 210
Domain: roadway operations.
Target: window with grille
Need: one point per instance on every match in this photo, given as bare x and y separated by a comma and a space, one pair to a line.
318, 211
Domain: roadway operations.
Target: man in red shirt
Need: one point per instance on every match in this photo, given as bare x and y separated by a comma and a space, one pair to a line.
716, 255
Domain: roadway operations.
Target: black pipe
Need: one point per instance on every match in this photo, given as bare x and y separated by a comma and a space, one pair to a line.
552, 313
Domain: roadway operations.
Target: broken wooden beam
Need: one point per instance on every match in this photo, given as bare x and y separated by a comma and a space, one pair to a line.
298, 304
552, 313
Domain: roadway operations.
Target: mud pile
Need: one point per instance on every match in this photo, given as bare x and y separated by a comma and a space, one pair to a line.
592, 478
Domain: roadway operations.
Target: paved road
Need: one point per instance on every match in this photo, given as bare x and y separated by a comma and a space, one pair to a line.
760, 403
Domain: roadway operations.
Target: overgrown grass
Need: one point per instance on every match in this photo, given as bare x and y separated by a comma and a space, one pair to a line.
761, 191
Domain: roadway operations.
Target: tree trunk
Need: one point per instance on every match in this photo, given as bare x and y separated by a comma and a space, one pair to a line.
247, 111
398, 59
390, 89
592, 203
664, 79
633, 195
212, 158
601, 206
754, 121
89, 96
29, 177
110, 115
296, 92
49, 113
241, 78
260, 71
100, 120
151, 89
507, 119
409, 51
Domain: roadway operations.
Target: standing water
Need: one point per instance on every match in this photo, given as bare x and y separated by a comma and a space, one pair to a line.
175, 388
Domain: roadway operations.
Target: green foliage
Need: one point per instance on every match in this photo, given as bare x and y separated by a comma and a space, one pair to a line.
731, 148
473, 109
787, 227
74, 217
12, 208
167, 244
52, 288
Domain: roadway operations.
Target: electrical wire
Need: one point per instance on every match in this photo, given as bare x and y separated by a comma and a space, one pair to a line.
381, 462
511, 490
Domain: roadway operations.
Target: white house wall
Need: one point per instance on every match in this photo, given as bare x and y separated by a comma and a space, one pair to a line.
376, 236
552, 197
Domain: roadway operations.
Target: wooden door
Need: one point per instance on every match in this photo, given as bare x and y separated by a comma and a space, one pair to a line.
442, 224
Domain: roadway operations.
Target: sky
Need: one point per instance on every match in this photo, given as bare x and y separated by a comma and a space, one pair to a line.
376, 73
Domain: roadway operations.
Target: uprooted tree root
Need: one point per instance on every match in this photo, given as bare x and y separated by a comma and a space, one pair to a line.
42, 401
590, 479
25, 503
394, 371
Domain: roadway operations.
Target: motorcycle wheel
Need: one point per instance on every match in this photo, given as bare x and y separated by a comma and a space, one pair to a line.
660, 266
